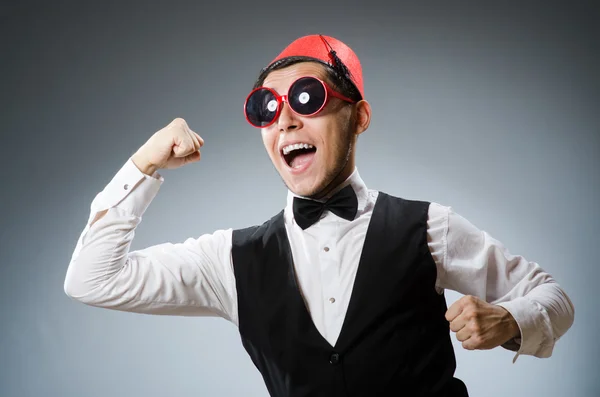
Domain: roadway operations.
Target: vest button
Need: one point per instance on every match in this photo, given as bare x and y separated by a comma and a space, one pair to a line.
334, 358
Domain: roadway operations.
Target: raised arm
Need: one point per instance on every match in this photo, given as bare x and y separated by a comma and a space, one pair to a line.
509, 300
189, 278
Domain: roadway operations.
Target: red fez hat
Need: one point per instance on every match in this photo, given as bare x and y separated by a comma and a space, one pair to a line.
326, 49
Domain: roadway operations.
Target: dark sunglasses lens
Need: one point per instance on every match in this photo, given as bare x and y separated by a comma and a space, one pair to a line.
261, 107
307, 95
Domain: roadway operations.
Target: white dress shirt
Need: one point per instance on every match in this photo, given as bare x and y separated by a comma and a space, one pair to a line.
195, 277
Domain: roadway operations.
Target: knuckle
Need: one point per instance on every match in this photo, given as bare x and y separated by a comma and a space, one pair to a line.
178, 121
470, 314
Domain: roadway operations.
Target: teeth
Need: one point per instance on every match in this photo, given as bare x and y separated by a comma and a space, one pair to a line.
289, 148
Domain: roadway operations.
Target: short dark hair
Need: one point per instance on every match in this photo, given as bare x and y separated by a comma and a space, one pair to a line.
337, 75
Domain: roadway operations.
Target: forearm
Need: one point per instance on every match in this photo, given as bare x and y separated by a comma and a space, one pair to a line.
472, 262
143, 166
100, 254
103, 246
544, 314
194, 277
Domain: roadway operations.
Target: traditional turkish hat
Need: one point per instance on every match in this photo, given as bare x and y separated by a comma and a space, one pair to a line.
328, 50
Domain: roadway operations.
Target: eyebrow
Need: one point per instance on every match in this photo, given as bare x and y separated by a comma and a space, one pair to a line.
304, 75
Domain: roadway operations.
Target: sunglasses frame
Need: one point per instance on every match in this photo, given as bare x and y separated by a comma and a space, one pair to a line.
284, 98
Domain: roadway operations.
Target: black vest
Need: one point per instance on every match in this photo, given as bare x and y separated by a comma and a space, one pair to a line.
395, 340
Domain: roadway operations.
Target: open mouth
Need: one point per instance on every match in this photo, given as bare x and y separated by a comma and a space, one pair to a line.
298, 155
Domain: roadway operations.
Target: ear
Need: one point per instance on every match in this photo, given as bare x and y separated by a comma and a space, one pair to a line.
362, 116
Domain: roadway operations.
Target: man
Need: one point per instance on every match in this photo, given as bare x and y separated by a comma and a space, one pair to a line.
341, 293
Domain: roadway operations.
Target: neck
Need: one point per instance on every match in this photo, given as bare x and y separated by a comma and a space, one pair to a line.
332, 187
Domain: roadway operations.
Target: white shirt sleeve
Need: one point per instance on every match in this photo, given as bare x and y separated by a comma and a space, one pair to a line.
190, 278
471, 262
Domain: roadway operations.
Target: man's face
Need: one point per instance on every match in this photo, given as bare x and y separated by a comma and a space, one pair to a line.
310, 172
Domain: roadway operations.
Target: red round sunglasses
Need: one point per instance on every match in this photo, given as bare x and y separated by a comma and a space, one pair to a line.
306, 96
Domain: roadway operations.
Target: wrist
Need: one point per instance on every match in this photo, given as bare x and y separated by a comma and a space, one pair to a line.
143, 165
512, 325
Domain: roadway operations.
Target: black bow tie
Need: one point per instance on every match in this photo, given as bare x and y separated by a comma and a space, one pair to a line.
344, 204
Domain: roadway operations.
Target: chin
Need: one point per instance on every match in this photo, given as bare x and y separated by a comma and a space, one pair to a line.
305, 188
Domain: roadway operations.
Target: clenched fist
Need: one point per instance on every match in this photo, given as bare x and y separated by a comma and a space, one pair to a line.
173, 146
481, 325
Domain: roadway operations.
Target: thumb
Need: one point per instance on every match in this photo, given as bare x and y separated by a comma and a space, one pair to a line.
183, 149
192, 158
454, 310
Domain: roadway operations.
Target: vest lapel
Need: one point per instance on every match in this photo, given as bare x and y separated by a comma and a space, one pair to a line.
353, 321
295, 294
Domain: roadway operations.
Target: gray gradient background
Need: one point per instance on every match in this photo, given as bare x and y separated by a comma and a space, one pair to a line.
492, 109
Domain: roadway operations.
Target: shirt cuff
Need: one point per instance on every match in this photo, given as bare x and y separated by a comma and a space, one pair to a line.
534, 325
130, 190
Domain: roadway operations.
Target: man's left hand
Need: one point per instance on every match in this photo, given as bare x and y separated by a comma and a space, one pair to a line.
481, 325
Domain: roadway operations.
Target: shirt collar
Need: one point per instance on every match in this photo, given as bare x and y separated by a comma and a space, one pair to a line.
357, 184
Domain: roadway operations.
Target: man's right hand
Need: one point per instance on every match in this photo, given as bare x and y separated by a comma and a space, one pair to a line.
173, 146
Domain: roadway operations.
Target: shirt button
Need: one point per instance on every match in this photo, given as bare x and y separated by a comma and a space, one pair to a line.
125, 186
331, 300
326, 249
334, 358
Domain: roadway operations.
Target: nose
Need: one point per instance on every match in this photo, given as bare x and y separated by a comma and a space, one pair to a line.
288, 120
